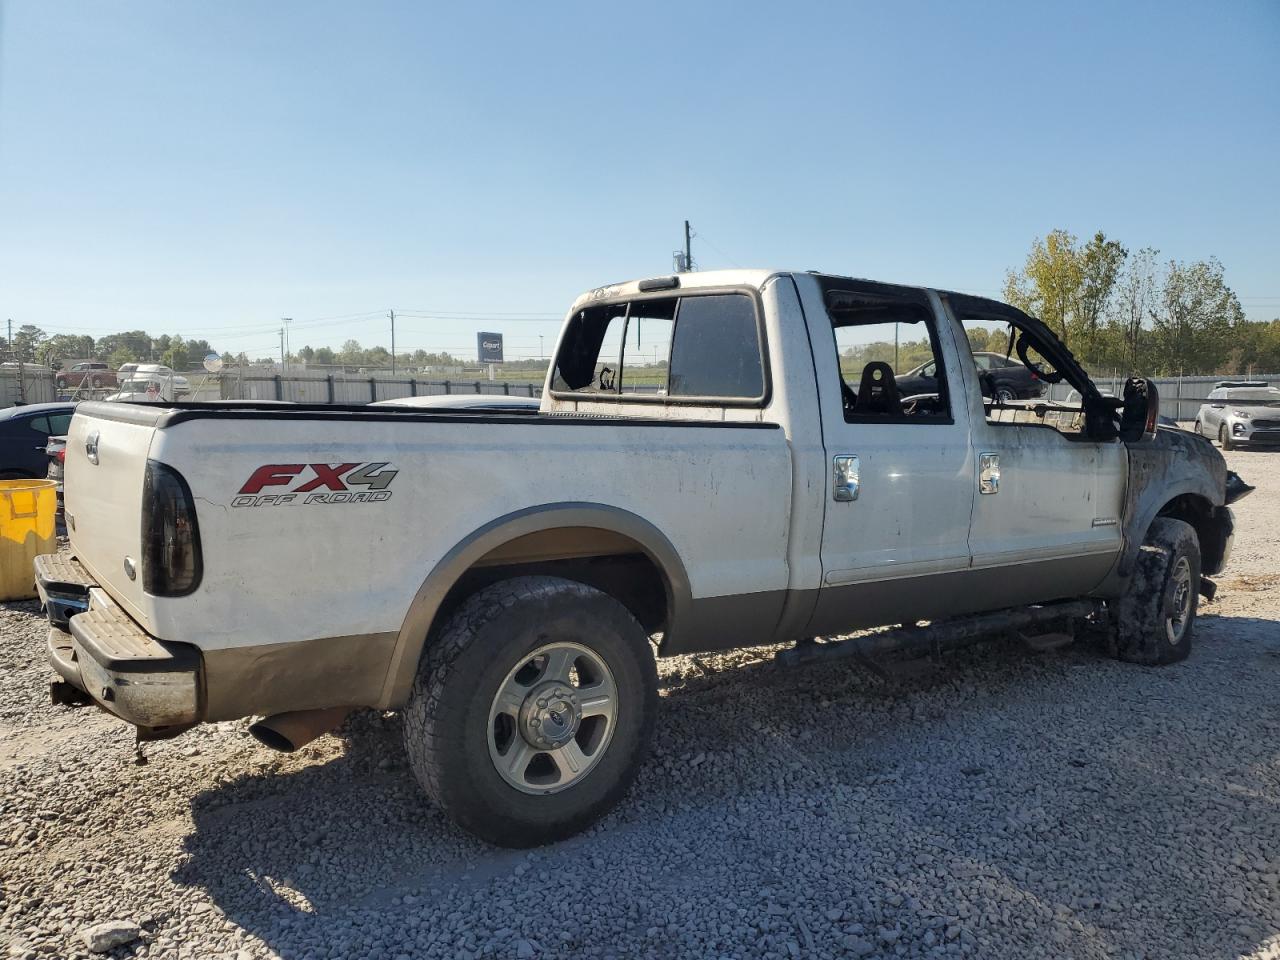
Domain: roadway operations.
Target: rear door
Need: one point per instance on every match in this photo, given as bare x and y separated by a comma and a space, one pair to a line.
899, 476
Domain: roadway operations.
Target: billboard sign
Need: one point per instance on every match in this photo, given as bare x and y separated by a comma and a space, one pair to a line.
489, 347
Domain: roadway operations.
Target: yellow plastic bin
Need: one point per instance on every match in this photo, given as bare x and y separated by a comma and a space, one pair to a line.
28, 511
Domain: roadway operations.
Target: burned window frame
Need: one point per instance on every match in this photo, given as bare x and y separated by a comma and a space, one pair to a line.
752, 295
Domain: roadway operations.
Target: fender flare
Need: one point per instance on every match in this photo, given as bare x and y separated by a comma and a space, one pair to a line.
412, 636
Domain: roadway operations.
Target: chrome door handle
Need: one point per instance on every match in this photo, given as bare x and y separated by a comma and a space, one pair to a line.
844, 478
988, 473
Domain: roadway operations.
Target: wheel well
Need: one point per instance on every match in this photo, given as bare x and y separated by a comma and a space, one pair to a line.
611, 562
1204, 519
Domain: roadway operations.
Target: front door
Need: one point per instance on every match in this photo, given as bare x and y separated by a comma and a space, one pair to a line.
1047, 516
900, 484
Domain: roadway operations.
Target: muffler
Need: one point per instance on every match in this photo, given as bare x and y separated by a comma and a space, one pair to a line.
287, 732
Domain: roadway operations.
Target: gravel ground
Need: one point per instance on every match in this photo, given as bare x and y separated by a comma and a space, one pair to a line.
1006, 804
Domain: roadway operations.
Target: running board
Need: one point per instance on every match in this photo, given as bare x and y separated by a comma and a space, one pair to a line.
939, 635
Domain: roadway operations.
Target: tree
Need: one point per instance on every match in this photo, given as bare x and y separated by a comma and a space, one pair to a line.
66, 346
26, 343
136, 343
197, 350
175, 354
1100, 265
324, 355
1194, 318
1049, 284
1134, 301
306, 354
351, 352
120, 356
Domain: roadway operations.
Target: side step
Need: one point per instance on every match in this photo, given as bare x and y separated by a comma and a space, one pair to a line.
63, 586
940, 635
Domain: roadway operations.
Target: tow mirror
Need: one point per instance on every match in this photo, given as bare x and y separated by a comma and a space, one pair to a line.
1141, 410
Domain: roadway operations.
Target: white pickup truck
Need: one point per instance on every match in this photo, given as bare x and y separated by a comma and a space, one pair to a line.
720, 460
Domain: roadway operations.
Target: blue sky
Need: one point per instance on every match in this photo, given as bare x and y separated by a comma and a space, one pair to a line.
206, 169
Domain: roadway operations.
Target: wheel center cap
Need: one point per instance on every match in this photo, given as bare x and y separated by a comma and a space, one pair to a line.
550, 715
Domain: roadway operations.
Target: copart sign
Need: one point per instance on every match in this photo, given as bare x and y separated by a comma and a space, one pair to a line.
308, 483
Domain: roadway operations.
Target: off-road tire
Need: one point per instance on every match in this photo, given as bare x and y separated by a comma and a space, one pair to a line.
1143, 620
1224, 438
447, 725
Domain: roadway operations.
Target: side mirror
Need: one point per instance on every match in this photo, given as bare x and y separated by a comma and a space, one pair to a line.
1141, 410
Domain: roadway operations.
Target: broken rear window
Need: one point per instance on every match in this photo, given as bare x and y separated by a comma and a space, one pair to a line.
687, 347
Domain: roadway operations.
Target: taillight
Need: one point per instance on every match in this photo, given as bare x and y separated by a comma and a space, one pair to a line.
61, 455
171, 564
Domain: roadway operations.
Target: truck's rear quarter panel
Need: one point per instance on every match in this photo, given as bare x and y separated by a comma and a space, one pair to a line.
276, 573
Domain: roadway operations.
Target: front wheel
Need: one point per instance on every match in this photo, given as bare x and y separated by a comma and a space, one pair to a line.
1153, 622
1006, 393
1224, 438
532, 710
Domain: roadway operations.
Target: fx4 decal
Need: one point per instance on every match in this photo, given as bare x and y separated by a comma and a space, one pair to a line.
317, 483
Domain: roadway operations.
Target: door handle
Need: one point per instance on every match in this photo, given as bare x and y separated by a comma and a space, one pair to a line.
844, 478
988, 473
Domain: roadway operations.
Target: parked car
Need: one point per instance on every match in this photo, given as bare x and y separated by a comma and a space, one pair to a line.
1009, 378
464, 401
1240, 416
91, 373
503, 579
24, 434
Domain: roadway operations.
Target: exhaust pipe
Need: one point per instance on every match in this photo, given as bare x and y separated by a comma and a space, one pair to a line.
287, 732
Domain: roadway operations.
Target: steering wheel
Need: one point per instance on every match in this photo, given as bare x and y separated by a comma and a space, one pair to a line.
1048, 376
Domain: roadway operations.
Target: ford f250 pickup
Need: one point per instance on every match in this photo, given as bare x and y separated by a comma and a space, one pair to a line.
720, 460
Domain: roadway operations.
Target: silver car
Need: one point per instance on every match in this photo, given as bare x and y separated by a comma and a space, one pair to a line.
1241, 416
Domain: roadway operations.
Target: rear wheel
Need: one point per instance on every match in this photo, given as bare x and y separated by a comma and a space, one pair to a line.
532, 710
1224, 437
1005, 393
1154, 621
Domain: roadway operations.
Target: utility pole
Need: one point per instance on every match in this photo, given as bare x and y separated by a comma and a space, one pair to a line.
392, 314
688, 247
282, 349
286, 321
542, 354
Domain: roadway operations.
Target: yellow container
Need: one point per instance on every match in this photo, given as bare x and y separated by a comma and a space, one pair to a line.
28, 511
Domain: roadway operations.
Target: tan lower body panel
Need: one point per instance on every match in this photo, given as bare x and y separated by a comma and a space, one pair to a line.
275, 678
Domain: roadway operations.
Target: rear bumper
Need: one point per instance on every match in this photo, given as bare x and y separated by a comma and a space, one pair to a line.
95, 646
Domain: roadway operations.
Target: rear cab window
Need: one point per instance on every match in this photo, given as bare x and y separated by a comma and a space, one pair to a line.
698, 347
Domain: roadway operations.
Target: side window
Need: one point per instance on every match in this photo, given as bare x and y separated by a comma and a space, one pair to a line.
1014, 392
716, 350
695, 346
59, 424
648, 346
889, 359
39, 425
591, 355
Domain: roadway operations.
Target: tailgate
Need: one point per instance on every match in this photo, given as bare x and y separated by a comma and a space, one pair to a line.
103, 499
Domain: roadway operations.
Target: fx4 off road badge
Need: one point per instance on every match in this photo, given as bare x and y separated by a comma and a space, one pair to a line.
316, 483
